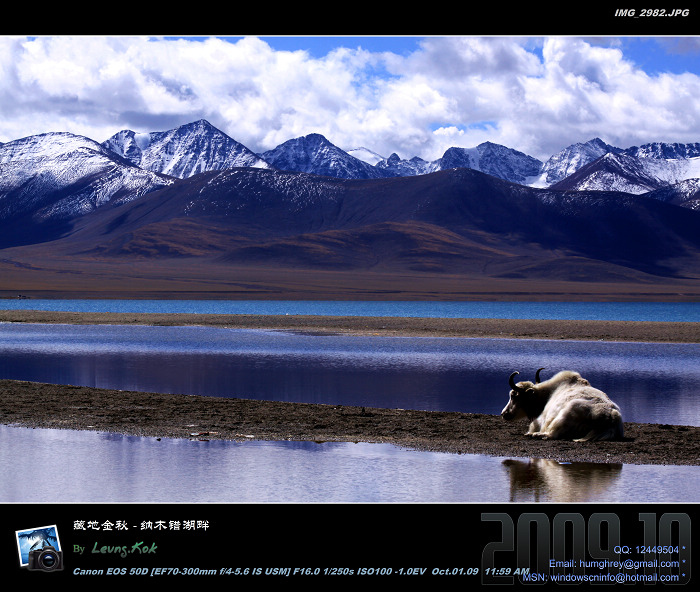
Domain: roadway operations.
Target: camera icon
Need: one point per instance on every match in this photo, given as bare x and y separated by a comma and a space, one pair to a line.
39, 549
45, 559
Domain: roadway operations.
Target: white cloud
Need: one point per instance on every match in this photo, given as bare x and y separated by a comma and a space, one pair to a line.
588, 90
535, 95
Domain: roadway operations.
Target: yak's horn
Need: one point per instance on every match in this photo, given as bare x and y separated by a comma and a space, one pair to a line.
537, 376
514, 386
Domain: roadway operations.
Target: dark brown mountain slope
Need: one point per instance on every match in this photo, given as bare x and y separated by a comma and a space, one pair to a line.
457, 222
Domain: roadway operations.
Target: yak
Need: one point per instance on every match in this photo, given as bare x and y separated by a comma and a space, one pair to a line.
565, 407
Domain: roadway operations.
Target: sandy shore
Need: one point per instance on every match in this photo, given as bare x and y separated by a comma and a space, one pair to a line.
157, 415
180, 416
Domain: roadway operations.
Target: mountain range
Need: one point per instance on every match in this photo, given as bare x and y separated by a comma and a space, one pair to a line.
198, 147
592, 213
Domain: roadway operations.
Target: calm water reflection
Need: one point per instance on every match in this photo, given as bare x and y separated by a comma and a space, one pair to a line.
652, 383
70, 466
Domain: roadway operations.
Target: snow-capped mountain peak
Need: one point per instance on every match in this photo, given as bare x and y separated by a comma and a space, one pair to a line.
621, 171
315, 154
184, 151
48, 145
394, 166
60, 175
572, 158
492, 159
665, 150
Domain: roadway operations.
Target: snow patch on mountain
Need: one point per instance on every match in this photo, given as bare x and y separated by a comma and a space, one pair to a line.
685, 194
365, 155
142, 140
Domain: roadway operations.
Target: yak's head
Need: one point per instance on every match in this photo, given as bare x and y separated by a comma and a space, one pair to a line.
522, 401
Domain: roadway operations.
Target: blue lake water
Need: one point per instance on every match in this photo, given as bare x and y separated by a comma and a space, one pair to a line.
623, 311
651, 382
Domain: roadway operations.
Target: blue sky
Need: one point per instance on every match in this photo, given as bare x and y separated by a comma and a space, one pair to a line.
663, 54
319, 46
653, 54
416, 96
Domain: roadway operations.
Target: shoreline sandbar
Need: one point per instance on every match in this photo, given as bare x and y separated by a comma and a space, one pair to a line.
553, 329
158, 415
